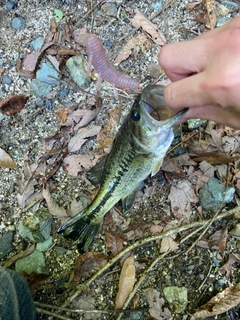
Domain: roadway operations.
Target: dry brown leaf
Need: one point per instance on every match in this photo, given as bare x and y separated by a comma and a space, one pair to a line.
126, 282
53, 207
134, 45
156, 310
53, 26
80, 117
86, 264
30, 60
210, 17
25, 186
168, 245
207, 169
62, 114
181, 196
173, 164
13, 104
5, 160
218, 239
227, 267
114, 242
198, 179
80, 138
75, 163
140, 21
107, 133
214, 158
222, 302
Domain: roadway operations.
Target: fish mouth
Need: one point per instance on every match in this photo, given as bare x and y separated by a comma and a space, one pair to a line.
155, 108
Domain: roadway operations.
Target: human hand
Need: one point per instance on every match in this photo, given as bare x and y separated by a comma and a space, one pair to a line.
206, 75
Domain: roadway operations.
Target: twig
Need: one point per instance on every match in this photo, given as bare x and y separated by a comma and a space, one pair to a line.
141, 242
53, 314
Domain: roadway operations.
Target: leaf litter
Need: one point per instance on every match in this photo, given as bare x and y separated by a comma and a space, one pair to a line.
220, 144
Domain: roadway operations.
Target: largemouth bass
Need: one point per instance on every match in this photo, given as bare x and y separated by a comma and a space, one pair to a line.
137, 151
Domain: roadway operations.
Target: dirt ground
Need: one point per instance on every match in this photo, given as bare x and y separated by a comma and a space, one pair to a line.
196, 268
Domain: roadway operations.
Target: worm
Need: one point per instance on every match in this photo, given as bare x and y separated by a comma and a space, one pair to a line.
99, 60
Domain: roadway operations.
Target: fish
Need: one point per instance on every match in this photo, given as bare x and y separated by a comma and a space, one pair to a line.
137, 151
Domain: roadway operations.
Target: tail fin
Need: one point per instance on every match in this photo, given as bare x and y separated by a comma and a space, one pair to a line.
81, 231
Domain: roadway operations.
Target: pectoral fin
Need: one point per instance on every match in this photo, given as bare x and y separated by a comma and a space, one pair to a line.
94, 175
157, 167
128, 201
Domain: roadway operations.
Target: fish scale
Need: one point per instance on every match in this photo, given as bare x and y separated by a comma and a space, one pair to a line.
138, 150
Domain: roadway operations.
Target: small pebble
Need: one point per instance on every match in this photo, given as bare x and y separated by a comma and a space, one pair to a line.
48, 105
11, 5
6, 79
63, 93
40, 88
108, 43
39, 102
48, 74
157, 5
37, 43
110, 9
18, 23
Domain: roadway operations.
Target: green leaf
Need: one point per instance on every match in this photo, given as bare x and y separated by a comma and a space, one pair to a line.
58, 14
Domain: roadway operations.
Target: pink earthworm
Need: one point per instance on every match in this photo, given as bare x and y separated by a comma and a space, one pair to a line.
99, 60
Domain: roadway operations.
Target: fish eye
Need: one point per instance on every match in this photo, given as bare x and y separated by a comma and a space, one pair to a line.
135, 116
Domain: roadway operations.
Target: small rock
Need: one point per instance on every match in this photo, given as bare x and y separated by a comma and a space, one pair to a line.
221, 21
37, 43
63, 93
76, 68
157, 5
11, 5
110, 9
6, 244
43, 246
39, 102
6, 79
36, 227
18, 23
60, 250
108, 43
40, 88
47, 73
177, 297
213, 194
195, 123
231, 4
222, 10
49, 105
34, 263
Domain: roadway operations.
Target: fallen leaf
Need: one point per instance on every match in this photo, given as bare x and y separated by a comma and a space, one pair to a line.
181, 196
87, 264
19, 255
218, 239
126, 282
140, 21
168, 245
214, 158
227, 267
62, 114
80, 138
133, 45
222, 302
80, 117
25, 186
114, 242
108, 132
207, 169
13, 104
53, 207
36, 281
30, 60
173, 164
5, 160
156, 303
53, 26
75, 163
